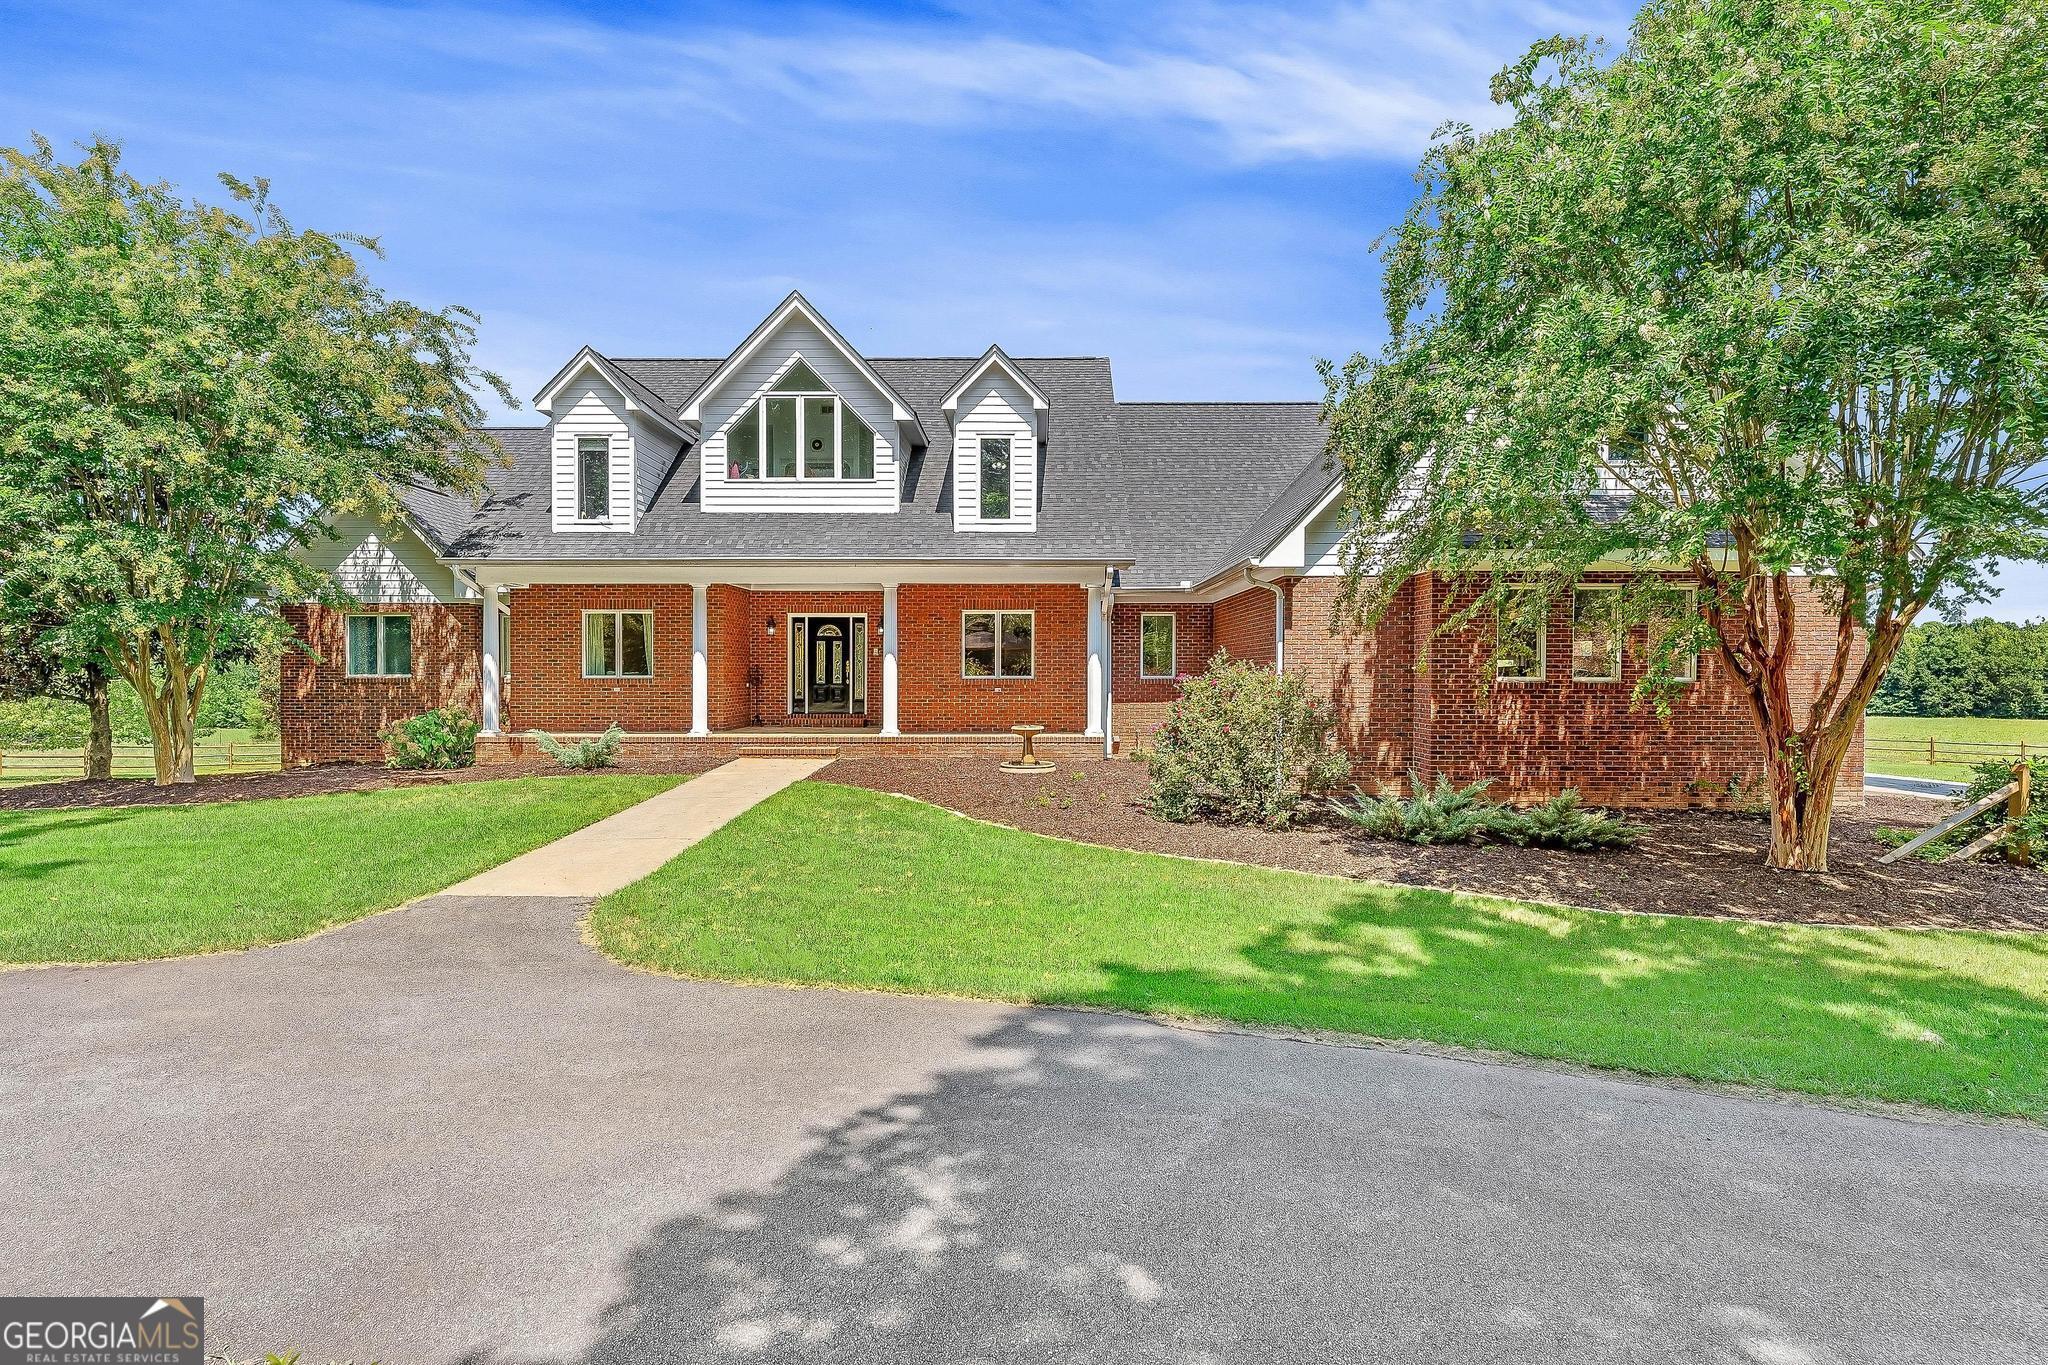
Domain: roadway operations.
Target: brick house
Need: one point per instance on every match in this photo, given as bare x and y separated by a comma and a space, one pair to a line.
795, 545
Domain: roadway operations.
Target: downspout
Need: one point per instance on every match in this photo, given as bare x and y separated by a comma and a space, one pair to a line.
1279, 616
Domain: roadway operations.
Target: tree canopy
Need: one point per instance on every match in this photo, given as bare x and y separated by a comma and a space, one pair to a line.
1760, 298
188, 393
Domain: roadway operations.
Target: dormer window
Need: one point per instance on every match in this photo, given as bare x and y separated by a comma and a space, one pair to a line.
593, 478
799, 430
995, 478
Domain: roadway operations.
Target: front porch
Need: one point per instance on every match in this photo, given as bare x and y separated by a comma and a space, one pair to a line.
773, 741
707, 665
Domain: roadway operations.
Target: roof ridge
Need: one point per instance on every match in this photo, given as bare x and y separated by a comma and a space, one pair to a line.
1219, 402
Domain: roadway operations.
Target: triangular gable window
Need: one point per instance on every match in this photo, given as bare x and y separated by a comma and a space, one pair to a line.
800, 378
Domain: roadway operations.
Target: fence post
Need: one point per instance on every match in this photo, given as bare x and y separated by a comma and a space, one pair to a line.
1930, 750
2016, 851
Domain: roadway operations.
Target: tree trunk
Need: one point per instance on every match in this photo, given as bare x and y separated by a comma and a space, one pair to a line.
99, 740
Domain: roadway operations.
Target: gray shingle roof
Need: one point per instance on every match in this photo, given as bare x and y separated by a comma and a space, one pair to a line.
1175, 487
1206, 479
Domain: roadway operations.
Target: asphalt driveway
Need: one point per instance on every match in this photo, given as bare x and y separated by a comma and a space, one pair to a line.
455, 1133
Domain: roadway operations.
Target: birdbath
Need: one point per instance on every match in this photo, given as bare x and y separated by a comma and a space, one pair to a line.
1028, 762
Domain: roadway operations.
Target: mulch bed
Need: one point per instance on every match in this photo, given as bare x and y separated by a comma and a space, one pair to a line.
315, 781
1700, 863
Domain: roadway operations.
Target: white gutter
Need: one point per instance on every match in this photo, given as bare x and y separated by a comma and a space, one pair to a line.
1279, 617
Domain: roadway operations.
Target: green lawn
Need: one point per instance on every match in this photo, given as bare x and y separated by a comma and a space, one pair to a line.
156, 881
1898, 744
827, 884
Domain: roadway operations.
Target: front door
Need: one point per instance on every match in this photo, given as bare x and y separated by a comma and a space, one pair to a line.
828, 665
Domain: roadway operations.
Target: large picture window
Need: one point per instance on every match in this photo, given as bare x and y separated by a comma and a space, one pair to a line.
995, 478
799, 429
618, 644
1596, 636
996, 644
593, 478
379, 646
1156, 645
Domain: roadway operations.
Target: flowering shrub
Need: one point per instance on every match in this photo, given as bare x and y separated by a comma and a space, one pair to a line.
1244, 745
441, 738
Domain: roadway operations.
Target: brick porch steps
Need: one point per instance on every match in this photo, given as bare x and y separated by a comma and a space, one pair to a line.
656, 747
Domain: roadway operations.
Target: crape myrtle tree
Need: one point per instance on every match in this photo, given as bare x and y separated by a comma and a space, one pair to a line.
188, 393
1762, 300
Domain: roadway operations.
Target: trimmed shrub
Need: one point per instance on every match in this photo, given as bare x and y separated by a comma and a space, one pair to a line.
1441, 813
1243, 745
442, 738
602, 752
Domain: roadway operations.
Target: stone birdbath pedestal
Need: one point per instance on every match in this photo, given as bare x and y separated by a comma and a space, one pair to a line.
1028, 762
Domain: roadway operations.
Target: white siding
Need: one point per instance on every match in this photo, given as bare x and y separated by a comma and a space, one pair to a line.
654, 450
588, 406
1324, 557
379, 564
739, 390
995, 406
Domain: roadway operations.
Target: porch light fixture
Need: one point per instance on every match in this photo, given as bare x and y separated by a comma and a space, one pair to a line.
771, 627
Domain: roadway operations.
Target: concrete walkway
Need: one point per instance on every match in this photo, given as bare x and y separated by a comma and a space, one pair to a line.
599, 859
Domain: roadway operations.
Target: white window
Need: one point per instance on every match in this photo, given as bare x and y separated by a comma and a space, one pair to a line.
995, 478
996, 644
379, 646
1518, 631
618, 644
799, 430
593, 478
1156, 647
1596, 635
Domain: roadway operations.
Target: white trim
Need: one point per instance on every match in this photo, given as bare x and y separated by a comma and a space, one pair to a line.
794, 305
1542, 673
890, 714
700, 659
1173, 641
999, 613
348, 661
786, 574
994, 356
588, 359
490, 703
1577, 676
619, 639
1098, 658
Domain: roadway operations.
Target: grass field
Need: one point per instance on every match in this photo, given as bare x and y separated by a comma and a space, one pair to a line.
828, 884
1898, 744
157, 881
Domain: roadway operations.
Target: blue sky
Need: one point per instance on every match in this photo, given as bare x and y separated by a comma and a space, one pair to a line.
1191, 189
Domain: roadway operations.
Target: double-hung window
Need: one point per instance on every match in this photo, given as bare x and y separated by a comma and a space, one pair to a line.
799, 429
996, 644
1156, 645
593, 478
379, 646
1519, 646
1596, 635
995, 478
618, 644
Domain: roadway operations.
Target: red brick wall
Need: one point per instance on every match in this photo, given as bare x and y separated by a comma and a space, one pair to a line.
325, 716
1531, 738
768, 666
544, 682
1141, 703
932, 695
729, 616
1244, 626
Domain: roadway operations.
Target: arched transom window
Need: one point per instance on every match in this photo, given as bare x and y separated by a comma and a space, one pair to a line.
799, 429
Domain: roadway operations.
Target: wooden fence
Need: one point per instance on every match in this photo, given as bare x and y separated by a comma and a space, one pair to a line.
1943, 751
138, 760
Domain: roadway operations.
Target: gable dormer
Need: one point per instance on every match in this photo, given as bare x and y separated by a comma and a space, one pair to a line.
1000, 419
610, 444
796, 420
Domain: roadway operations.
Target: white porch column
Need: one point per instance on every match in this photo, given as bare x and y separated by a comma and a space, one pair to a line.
1098, 658
490, 660
700, 669
889, 726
